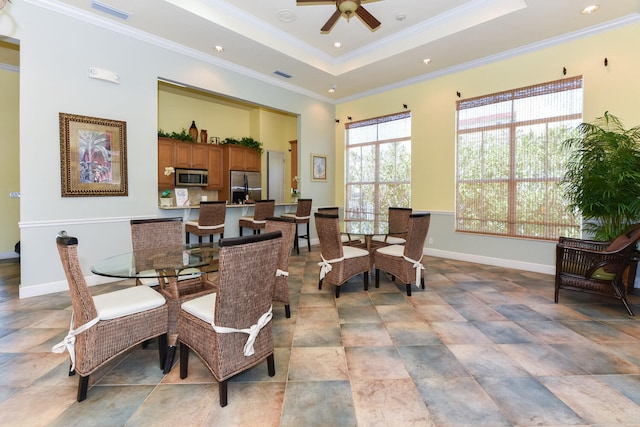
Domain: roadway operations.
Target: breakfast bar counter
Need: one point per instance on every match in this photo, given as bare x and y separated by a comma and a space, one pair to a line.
234, 212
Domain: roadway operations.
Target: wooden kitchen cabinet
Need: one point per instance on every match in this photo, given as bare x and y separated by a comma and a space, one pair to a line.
190, 155
166, 150
239, 158
215, 167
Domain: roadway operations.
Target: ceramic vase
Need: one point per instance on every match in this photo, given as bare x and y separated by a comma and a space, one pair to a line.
193, 131
203, 136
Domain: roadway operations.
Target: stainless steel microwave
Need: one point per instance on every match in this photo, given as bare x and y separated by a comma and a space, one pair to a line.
192, 177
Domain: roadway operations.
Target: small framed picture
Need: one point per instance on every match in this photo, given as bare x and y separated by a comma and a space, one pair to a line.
318, 167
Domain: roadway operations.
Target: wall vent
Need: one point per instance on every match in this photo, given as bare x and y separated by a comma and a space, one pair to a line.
110, 10
282, 74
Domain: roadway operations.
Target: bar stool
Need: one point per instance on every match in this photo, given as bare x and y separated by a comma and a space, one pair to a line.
302, 216
210, 221
261, 211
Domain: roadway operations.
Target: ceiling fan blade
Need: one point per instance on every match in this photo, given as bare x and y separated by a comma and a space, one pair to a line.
331, 22
368, 18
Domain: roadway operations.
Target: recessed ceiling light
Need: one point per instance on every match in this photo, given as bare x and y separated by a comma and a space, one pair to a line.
590, 9
219, 49
426, 61
333, 89
337, 45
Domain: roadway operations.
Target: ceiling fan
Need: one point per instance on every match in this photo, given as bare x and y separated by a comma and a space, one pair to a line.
348, 8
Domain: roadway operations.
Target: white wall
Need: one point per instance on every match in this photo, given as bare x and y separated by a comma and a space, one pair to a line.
55, 53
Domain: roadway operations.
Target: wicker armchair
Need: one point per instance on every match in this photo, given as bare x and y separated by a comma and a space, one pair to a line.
339, 262
405, 261
287, 226
210, 221
302, 216
261, 211
104, 326
398, 227
166, 233
215, 326
597, 267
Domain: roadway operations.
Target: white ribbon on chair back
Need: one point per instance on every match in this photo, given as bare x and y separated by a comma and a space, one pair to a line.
418, 266
69, 341
252, 331
325, 266
281, 273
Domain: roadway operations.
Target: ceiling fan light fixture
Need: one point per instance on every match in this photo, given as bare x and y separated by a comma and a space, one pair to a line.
348, 7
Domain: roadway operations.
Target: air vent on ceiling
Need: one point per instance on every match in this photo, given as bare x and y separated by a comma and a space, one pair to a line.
282, 74
110, 10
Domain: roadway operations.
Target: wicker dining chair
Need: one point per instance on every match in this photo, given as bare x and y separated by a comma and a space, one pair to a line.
597, 267
210, 221
339, 262
154, 233
398, 219
287, 226
302, 216
107, 325
346, 239
215, 326
404, 262
166, 233
261, 211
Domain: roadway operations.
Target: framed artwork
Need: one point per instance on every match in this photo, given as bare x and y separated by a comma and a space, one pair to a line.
93, 156
318, 167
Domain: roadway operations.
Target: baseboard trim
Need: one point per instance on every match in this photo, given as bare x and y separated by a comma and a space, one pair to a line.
498, 262
61, 286
9, 255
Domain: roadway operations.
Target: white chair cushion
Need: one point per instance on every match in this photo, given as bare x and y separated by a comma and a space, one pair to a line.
189, 273
203, 227
127, 301
149, 281
250, 218
391, 240
202, 307
290, 215
392, 250
351, 252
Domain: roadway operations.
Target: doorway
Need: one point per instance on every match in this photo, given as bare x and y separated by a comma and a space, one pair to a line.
276, 176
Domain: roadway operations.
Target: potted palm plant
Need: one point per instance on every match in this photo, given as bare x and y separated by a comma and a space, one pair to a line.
602, 179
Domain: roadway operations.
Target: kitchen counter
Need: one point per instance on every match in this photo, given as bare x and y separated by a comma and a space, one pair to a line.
234, 212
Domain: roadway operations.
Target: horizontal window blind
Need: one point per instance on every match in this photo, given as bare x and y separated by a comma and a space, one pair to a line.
510, 160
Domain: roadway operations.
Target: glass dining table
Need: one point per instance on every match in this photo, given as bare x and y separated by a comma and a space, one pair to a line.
182, 273
367, 229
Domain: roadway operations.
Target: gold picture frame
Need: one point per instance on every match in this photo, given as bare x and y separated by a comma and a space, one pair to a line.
93, 156
318, 167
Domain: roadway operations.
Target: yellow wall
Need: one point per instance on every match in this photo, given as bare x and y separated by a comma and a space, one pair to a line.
223, 117
178, 108
9, 160
615, 88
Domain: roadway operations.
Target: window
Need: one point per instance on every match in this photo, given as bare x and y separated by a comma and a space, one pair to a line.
510, 161
378, 166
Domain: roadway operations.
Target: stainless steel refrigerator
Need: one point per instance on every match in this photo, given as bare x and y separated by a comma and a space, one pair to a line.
245, 184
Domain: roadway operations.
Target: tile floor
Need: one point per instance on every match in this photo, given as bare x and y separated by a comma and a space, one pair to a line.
481, 346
